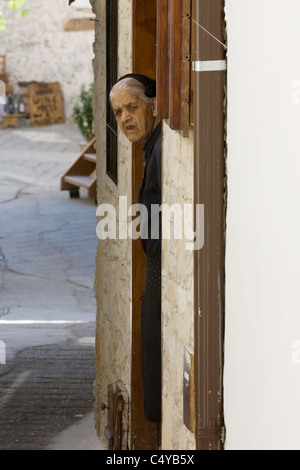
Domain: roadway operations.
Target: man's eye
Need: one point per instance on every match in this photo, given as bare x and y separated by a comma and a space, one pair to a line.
118, 112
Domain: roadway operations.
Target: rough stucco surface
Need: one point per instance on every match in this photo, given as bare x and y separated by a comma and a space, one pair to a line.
177, 291
38, 49
113, 263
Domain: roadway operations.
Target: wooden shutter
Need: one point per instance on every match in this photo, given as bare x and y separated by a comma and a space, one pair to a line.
163, 59
174, 43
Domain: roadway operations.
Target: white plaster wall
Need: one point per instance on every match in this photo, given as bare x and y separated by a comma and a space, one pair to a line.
38, 49
262, 370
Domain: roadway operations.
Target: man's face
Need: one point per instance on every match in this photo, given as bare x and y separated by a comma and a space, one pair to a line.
135, 117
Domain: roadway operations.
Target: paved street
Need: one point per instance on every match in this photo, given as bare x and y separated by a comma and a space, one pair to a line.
47, 304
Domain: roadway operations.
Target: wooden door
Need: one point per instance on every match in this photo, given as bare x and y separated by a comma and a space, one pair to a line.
144, 435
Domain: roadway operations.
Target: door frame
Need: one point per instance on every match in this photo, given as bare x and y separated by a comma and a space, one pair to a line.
210, 190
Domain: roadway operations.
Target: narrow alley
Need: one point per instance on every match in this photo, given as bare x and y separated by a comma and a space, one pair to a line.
47, 303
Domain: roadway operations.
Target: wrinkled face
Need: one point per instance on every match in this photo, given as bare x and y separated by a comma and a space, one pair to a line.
135, 117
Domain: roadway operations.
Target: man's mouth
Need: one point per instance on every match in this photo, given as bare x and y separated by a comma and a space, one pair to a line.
130, 128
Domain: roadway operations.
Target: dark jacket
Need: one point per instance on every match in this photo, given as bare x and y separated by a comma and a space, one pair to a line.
150, 195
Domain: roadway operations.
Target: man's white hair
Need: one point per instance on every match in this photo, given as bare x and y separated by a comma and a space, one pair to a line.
132, 85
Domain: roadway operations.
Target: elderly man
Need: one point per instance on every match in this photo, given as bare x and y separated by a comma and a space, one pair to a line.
133, 100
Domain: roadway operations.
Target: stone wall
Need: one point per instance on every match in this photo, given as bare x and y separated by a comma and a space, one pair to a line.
177, 291
113, 272
38, 49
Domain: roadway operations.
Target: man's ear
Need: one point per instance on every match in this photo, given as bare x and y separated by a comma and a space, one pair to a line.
154, 108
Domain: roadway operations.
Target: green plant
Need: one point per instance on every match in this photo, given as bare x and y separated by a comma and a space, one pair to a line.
83, 112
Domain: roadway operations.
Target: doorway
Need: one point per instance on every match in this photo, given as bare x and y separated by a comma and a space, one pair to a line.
144, 435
